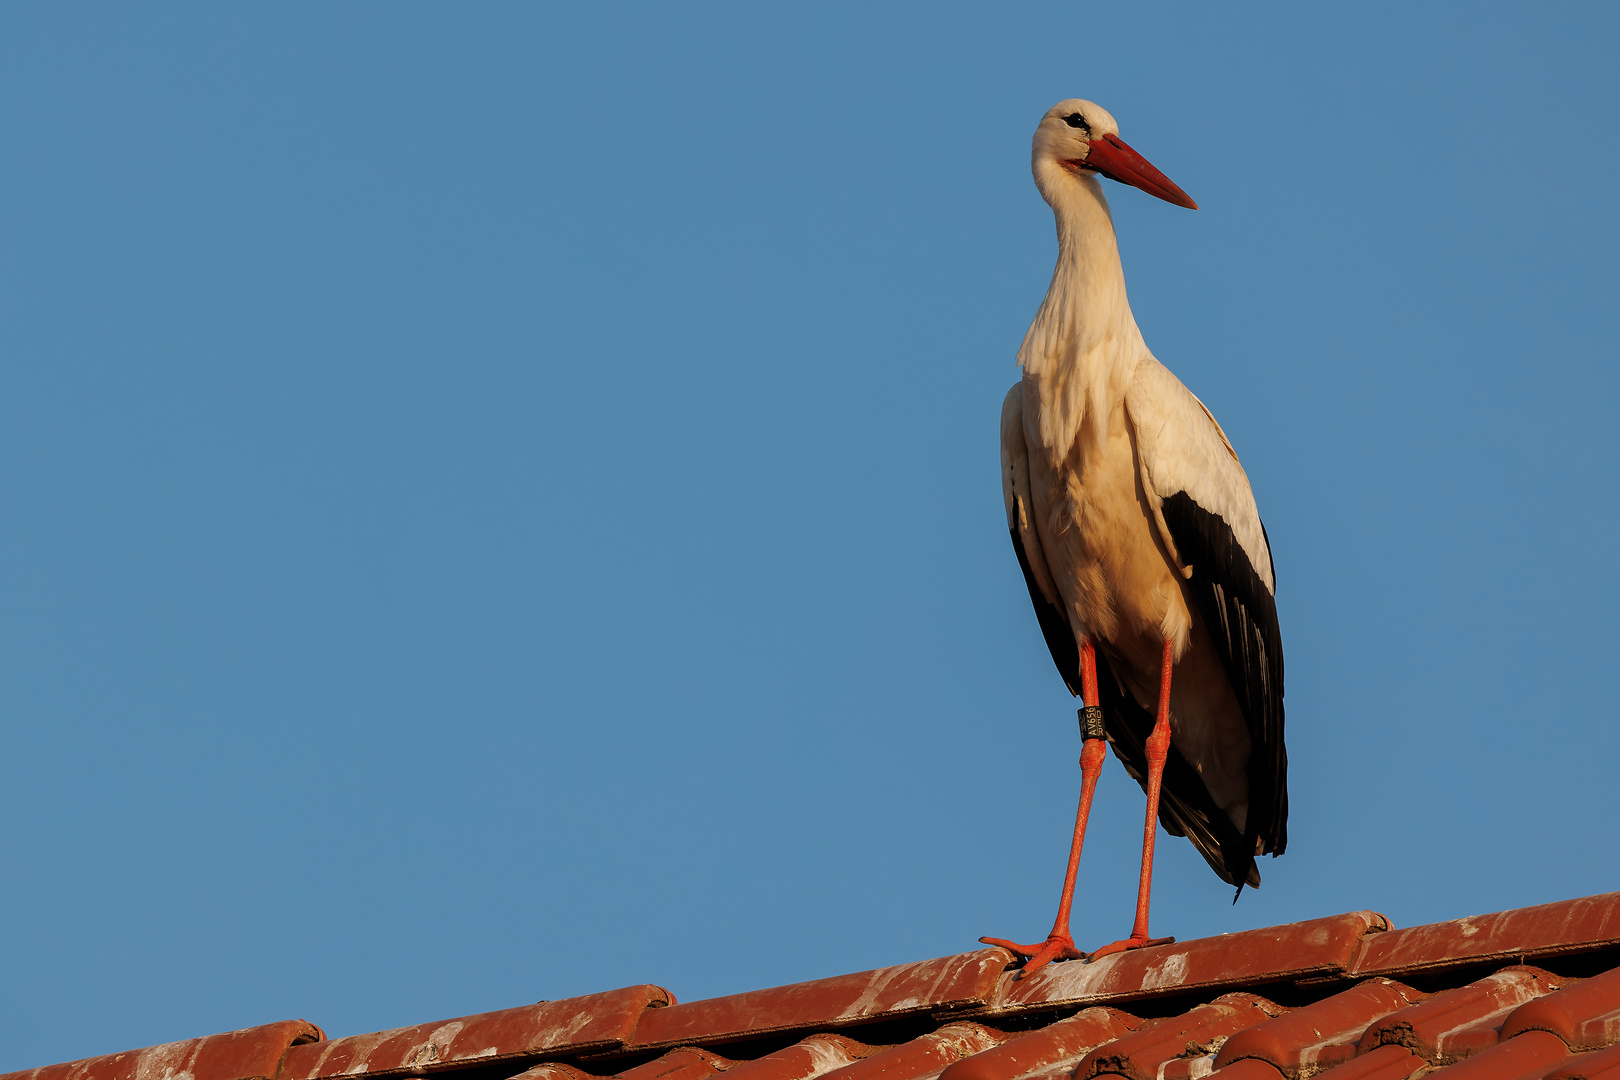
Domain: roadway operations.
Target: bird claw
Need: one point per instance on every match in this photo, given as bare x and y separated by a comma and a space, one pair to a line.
1129, 943
1055, 947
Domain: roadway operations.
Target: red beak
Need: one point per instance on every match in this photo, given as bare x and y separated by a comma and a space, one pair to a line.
1111, 157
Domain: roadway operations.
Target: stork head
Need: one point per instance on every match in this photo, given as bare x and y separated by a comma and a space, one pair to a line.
1079, 138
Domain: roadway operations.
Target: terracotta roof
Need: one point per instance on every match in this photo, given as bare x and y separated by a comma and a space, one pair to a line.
1532, 994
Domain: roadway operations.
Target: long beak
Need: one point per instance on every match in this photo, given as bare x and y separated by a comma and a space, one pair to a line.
1111, 157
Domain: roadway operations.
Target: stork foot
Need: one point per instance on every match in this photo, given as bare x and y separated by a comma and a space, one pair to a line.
1055, 947
1129, 943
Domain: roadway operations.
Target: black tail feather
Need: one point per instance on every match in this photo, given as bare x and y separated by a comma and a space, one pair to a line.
1185, 806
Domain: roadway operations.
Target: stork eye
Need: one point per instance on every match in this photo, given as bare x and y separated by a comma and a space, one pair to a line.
1075, 120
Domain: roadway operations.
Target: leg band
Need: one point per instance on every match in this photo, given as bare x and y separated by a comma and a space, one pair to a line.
1091, 722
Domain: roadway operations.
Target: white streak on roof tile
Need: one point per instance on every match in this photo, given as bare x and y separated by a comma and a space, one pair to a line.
1171, 971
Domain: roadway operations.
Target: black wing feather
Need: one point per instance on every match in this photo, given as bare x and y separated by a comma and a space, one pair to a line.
1185, 806
1054, 624
1242, 619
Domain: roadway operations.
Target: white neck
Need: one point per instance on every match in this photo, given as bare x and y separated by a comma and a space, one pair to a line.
1083, 346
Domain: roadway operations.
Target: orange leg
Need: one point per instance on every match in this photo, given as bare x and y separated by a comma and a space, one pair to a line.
1158, 749
1059, 945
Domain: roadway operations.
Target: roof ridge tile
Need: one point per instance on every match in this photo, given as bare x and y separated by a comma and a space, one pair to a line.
1314, 948
254, 1053
1545, 930
967, 980
570, 1025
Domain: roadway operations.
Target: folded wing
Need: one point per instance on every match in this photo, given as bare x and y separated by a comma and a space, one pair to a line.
1206, 515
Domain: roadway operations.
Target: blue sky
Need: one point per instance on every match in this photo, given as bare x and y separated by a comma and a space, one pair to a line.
501, 502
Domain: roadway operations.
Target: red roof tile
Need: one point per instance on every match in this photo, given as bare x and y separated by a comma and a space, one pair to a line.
1045, 1049
683, 1063
1464, 1021
1532, 933
1194, 1033
815, 1056
1250, 1069
924, 1056
1294, 1002
592, 1022
1318, 948
1527, 1057
1598, 1065
553, 1070
1384, 1063
952, 981
1320, 1034
250, 1054
1585, 1016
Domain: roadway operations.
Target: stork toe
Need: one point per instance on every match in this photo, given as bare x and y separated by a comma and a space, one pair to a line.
1055, 947
1125, 944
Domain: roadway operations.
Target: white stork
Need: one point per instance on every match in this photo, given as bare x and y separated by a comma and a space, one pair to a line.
1145, 558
